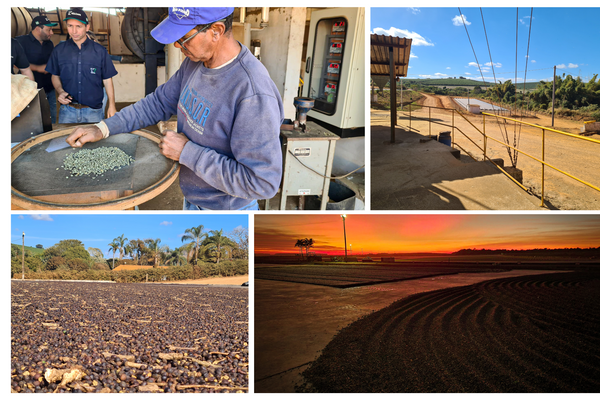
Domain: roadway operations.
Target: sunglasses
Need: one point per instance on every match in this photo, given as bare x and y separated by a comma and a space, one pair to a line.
182, 42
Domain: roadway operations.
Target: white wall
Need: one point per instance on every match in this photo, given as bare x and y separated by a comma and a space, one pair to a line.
130, 82
281, 50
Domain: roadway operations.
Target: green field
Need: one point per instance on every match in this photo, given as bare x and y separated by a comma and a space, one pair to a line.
34, 250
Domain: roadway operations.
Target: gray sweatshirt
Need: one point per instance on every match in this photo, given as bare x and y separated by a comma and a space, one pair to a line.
232, 116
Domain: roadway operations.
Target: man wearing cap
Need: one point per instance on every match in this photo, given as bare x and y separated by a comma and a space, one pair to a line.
228, 110
38, 47
80, 69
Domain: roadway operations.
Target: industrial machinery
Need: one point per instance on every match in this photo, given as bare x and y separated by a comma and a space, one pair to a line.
335, 70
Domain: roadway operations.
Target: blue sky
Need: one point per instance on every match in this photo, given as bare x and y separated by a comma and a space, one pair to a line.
99, 230
565, 37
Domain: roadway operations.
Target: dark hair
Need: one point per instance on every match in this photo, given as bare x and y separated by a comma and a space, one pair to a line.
227, 21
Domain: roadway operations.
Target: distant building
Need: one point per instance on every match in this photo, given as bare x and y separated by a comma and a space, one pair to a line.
124, 267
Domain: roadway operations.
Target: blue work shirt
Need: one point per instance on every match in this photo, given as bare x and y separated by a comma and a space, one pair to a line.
82, 70
38, 54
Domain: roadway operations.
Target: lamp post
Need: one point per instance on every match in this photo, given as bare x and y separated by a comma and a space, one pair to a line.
23, 258
345, 247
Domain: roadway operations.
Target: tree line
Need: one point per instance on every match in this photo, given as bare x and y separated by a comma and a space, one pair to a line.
200, 249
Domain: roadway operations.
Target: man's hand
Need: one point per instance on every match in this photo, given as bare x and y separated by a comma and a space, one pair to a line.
110, 110
84, 134
64, 98
172, 144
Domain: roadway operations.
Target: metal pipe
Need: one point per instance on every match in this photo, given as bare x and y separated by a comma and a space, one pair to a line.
543, 159
264, 17
452, 139
242, 15
484, 140
549, 129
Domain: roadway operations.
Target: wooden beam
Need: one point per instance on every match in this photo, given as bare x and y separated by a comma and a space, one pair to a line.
387, 63
382, 44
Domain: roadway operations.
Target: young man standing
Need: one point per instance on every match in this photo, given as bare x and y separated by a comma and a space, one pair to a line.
80, 69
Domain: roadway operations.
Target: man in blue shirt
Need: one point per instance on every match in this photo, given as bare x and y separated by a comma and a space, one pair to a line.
80, 69
228, 109
38, 47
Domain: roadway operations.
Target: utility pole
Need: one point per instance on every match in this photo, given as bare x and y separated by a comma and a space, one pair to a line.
23, 258
553, 88
345, 246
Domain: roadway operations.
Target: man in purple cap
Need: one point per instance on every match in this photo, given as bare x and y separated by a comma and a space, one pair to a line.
81, 69
38, 47
228, 110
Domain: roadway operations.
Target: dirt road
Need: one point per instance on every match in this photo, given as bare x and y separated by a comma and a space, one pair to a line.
572, 155
228, 280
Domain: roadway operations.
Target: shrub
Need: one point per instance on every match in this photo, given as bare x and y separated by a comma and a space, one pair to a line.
55, 263
77, 264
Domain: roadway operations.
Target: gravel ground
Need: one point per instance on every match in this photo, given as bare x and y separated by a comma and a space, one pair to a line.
346, 276
524, 334
104, 337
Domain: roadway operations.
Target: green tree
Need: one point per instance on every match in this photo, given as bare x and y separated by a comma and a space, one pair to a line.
196, 235
69, 249
114, 246
240, 236
121, 241
219, 244
155, 249
175, 257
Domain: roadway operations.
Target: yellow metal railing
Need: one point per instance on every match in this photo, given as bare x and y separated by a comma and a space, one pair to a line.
486, 137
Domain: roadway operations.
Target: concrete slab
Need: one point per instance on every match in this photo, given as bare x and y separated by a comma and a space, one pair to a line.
418, 174
293, 322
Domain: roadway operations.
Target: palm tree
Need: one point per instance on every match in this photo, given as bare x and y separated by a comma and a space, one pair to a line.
308, 244
174, 257
300, 245
114, 246
218, 243
154, 249
129, 249
121, 241
197, 236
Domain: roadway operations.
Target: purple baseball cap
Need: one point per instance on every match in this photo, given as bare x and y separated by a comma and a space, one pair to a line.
181, 20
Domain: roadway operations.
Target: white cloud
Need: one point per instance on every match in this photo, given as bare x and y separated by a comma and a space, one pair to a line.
440, 74
467, 73
41, 217
473, 64
21, 217
458, 20
533, 61
166, 223
412, 55
417, 40
497, 65
571, 65
415, 10
448, 68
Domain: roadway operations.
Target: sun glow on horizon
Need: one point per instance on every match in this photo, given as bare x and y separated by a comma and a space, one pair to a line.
372, 234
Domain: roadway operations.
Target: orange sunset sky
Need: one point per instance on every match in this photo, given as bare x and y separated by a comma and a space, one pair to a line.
277, 234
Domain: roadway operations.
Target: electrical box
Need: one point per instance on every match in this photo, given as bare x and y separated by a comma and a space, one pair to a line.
335, 76
307, 161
